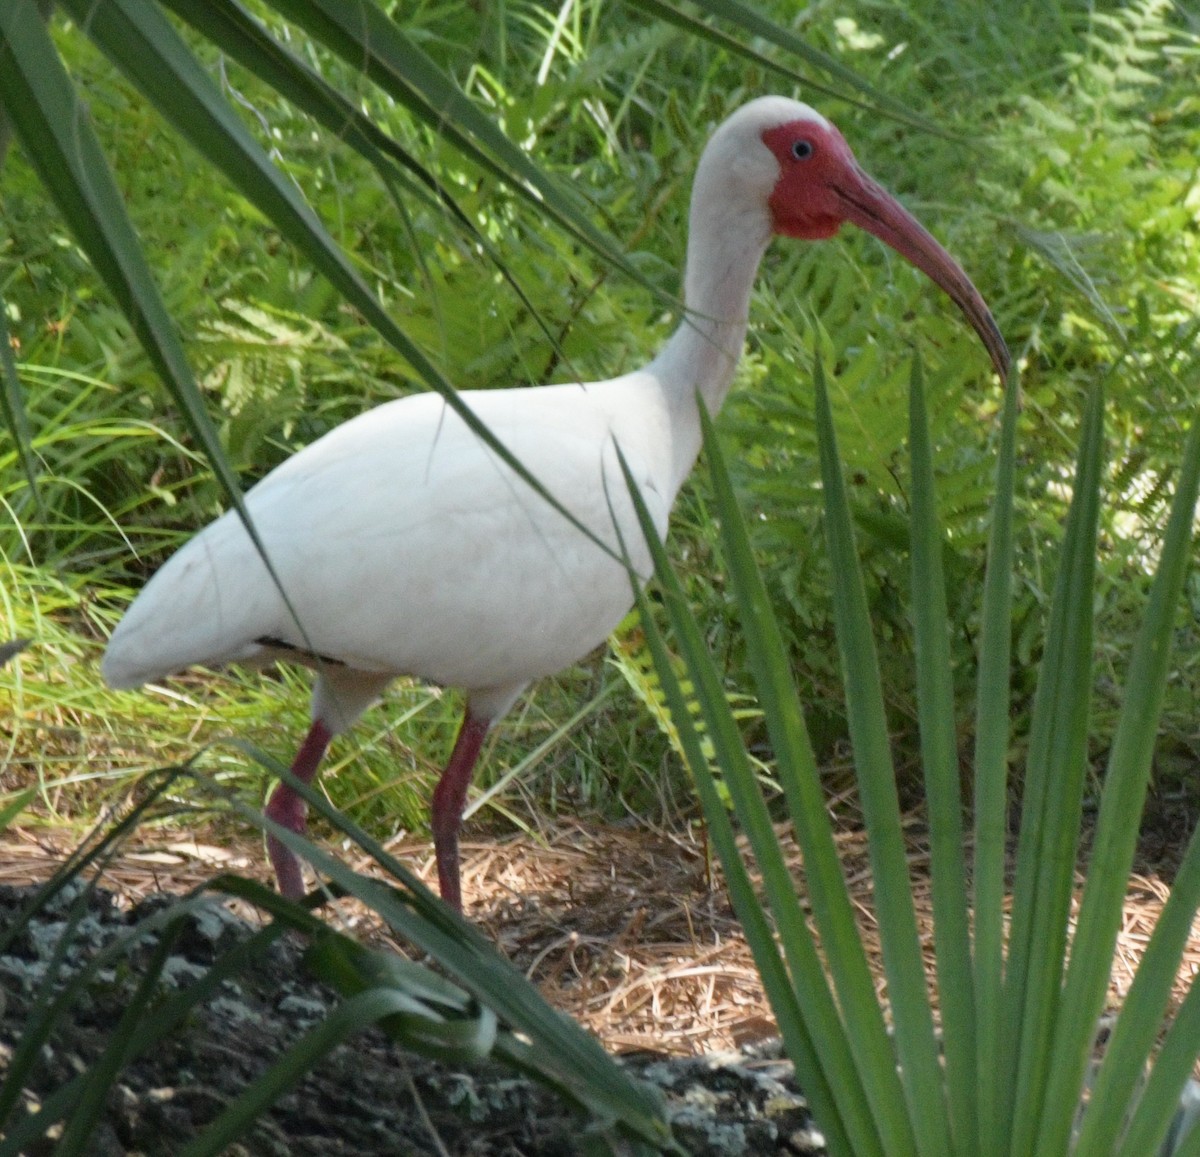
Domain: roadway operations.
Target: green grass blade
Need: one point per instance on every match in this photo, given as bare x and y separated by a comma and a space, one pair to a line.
943, 792
352, 1016
1173, 1067
569, 1057
561, 1055
1053, 798
916, 1044
54, 1002
564, 1056
350, 967
58, 140
12, 406
797, 771
233, 29
1125, 783
167, 1016
803, 1004
96, 848
60, 143
694, 26
368, 40
140, 41
16, 806
46, 1012
802, 1026
776, 33
102, 1074
992, 730
1142, 1012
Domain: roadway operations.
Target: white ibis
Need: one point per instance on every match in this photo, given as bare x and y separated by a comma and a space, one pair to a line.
406, 546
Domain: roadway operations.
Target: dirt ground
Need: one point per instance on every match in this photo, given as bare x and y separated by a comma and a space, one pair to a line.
623, 928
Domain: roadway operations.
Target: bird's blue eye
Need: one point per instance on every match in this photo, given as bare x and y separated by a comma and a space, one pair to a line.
802, 150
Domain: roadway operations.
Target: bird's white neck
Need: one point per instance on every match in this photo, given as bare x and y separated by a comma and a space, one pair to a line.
724, 250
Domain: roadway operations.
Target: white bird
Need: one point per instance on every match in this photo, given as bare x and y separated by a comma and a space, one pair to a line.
407, 547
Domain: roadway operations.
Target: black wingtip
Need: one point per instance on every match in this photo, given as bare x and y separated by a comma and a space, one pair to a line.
8, 650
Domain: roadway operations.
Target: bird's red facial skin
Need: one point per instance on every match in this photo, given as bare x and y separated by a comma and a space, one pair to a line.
820, 186
814, 162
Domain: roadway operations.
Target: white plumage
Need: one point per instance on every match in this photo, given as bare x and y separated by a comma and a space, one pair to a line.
401, 522
406, 547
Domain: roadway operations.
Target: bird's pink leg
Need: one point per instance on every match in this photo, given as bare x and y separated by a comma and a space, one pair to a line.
449, 799
286, 808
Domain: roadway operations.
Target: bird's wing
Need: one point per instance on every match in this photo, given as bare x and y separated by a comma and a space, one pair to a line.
407, 546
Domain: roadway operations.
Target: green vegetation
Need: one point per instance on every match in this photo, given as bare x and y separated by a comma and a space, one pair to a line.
1057, 234
1064, 178
1015, 1059
1052, 147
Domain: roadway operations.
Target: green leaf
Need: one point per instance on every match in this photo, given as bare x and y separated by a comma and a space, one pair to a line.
146, 1033
1051, 812
143, 44
803, 1005
943, 794
1134, 1036
916, 1044
88, 1109
992, 728
229, 26
1125, 783
16, 806
352, 1016
774, 32
56, 134
58, 138
12, 406
365, 37
797, 771
565, 1056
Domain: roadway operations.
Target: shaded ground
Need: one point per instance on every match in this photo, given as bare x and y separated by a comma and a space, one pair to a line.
370, 1097
619, 927
367, 1097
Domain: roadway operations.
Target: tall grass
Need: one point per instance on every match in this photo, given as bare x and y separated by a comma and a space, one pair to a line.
1011, 1070
616, 104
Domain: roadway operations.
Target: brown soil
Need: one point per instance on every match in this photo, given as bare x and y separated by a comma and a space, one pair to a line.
620, 927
